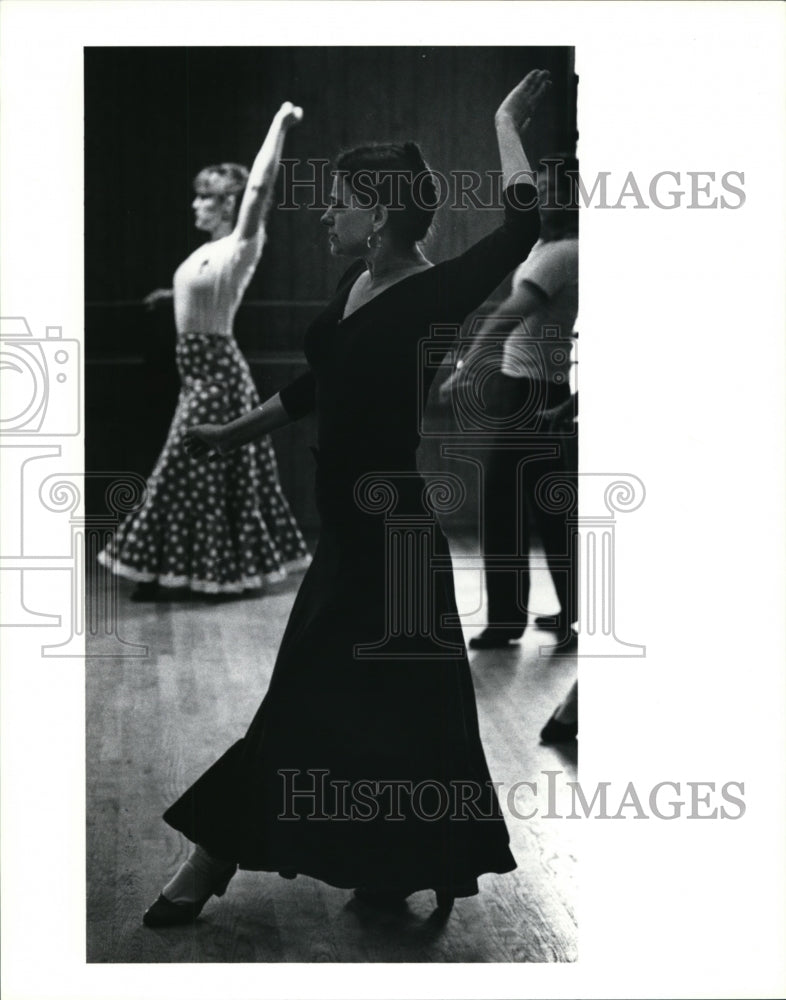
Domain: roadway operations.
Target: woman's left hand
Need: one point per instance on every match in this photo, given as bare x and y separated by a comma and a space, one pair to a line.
448, 386
561, 419
458, 377
205, 440
522, 102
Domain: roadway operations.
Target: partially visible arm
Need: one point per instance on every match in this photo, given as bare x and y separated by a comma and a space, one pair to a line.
265, 418
472, 276
518, 307
207, 438
293, 402
515, 311
512, 119
463, 283
158, 296
562, 418
258, 196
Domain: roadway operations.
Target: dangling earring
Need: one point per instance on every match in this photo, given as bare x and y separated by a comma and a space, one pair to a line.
373, 240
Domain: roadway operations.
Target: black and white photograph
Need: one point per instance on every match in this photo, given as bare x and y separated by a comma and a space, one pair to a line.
407, 304
306, 539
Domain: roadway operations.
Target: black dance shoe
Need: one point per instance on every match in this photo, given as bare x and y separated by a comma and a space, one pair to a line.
556, 623
445, 901
165, 913
559, 732
550, 623
495, 638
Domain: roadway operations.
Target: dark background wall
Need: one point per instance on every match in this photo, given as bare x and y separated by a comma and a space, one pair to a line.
155, 116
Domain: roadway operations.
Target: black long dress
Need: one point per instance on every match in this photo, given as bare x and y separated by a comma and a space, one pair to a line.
370, 717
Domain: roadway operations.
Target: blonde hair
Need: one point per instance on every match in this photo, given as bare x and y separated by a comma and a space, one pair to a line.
224, 179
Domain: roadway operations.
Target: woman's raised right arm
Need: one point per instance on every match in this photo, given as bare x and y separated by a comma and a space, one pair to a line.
473, 275
511, 120
258, 196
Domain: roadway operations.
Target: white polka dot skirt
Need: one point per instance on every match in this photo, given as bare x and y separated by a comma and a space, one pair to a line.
213, 526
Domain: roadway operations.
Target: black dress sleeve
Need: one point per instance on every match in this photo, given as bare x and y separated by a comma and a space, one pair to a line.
299, 397
467, 280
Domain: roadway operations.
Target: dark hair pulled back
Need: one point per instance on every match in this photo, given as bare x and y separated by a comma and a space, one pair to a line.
397, 177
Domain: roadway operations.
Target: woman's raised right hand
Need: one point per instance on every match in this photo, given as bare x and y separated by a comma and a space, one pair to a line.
522, 102
205, 439
290, 114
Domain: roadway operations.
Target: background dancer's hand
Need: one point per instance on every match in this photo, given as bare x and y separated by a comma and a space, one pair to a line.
452, 383
157, 297
290, 114
522, 102
561, 419
205, 440
463, 374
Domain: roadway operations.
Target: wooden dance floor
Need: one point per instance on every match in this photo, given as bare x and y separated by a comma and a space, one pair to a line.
155, 722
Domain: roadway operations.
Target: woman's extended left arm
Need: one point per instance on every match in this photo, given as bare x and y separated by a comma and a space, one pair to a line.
258, 196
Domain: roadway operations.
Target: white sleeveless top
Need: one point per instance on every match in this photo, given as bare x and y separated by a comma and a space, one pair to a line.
209, 285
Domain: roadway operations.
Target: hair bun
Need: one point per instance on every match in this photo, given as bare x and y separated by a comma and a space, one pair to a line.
416, 200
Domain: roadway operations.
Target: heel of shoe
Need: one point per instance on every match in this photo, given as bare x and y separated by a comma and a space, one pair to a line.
496, 638
445, 901
164, 913
221, 887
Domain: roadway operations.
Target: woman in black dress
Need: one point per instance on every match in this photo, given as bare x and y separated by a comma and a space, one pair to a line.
363, 766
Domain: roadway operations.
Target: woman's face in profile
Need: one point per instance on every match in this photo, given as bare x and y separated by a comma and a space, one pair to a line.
348, 224
209, 207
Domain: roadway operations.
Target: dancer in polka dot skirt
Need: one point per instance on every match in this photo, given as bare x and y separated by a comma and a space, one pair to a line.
220, 526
